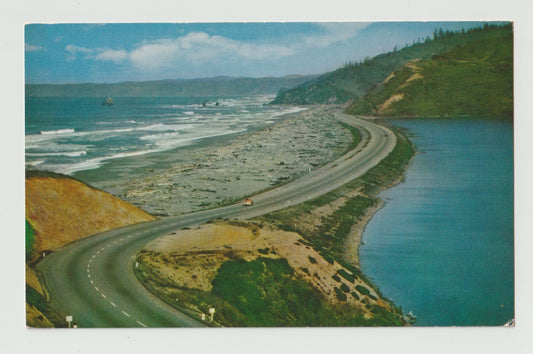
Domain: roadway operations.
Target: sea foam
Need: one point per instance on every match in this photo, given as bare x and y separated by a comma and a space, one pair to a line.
56, 132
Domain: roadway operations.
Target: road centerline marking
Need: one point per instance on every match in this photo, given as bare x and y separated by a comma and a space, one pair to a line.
125, 313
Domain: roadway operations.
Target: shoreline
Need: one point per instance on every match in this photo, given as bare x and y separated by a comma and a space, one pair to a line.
355, 236
219, 172
354, 239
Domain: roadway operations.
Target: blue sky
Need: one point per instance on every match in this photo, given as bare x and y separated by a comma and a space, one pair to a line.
75, 53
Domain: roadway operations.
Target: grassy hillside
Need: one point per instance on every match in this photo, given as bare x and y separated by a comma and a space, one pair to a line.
475, 79
256, 275
356, 79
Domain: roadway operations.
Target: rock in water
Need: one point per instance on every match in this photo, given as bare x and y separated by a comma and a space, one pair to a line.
108, 102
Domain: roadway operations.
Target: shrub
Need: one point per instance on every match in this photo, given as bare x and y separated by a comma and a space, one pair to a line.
336, 278
264, 292
312, 260
30, 239
350, 277
328, 258
35, 299
354, 294
340, 294
362, 290
345, 288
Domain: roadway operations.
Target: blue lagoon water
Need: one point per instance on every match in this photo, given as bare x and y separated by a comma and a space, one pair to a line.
443, 246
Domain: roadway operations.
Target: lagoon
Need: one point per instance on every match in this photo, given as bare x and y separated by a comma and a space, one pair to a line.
443, 245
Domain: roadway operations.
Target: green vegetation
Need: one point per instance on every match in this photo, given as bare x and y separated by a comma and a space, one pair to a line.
35, 299
350, 277
356, 136
475, 80
354, 80
340, 294
362, 290
264, 292
345, 288
30, 239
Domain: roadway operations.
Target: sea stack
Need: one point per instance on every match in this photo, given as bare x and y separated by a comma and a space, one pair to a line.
108, 102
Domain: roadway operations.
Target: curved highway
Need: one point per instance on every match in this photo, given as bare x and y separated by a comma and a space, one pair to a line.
93, 279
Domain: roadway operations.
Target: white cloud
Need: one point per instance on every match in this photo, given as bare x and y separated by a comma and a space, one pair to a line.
115, 56
201, 47
32, 48
75, 49
103, 54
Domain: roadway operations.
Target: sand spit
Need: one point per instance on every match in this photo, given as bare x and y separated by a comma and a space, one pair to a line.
251, 163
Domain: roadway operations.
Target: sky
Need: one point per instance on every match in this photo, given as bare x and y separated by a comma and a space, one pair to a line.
106, 53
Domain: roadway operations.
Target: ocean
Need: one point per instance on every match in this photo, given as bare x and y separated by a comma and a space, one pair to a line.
69, 135
443, 245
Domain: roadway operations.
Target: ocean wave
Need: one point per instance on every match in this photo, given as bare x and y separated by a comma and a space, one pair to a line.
94, 163
156, 137
34, 163
165, 142
66, 153
56, 132
289, 110
70, 133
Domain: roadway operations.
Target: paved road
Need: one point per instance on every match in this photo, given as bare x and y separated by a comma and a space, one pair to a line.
92, 279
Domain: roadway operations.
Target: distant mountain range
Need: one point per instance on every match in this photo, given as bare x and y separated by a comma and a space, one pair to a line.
218, 86
454, 73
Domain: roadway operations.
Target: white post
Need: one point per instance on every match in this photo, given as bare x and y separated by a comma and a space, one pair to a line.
69, 320
212, 312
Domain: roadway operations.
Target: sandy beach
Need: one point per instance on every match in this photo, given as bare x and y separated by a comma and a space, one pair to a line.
209, 174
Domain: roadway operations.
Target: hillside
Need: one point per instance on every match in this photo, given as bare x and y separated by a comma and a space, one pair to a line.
218, 86
356, 79
473, 80
256, 275
60, 210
